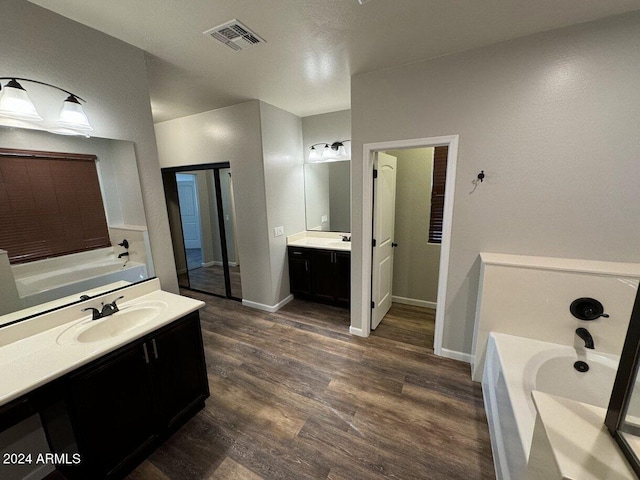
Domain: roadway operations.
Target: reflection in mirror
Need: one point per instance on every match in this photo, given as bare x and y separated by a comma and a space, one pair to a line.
327, 192
53, 280
203, 228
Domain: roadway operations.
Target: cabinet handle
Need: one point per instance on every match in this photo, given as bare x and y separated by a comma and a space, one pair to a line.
155, 348
306, 265
146, 353
297, 253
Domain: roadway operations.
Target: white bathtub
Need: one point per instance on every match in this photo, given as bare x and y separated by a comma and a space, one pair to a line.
47, 280
514, 366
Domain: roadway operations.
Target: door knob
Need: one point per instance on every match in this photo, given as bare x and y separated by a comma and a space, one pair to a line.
394, 245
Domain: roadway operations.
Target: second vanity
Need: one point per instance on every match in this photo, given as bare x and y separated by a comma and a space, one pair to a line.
320, 267
107, 391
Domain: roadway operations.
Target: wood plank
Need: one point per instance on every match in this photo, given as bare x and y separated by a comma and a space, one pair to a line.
294, 396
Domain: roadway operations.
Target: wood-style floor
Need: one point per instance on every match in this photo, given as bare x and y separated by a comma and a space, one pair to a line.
294, 396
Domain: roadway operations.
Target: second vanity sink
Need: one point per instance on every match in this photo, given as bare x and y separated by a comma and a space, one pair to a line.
128, 318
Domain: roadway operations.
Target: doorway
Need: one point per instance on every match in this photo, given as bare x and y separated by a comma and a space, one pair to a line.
202, 221
407, 220
361, 317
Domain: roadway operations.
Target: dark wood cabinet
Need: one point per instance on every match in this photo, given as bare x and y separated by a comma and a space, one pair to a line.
123, 405
320, 275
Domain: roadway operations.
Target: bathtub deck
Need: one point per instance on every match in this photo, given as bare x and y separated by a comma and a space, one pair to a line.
294, 396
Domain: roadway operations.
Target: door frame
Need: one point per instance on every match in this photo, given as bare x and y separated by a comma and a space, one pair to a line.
369, 150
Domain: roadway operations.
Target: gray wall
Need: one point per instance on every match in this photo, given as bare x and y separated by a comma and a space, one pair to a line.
111, 75
416, 261
263, 145
552, 120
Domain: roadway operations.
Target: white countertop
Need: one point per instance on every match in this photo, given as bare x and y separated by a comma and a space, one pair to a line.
579, 445
39, 350
321, 240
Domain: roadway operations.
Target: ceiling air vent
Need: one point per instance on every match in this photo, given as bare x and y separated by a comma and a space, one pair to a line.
235, 35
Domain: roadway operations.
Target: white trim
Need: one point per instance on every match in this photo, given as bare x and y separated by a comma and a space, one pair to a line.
267, 308
455, 355
219, 264
595, 267
357, 331
368, 150
414, 301
209, 264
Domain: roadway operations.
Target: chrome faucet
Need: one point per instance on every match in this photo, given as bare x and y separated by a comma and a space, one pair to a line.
584, 334
107, 309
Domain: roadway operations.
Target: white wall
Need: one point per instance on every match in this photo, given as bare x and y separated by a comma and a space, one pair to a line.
416, 262
551, 119
111, 76
284, 187
263, 145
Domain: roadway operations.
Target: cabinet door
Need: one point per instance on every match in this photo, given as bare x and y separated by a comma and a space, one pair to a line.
322, 274
342, 277
299, 276
112, 411
178, 357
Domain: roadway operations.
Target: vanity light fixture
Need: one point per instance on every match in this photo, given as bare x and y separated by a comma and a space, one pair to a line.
16, 104
330, 152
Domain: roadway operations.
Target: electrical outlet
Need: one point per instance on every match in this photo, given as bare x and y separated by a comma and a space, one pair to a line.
278, 231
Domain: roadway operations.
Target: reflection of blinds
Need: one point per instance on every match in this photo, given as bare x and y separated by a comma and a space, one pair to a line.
437, 194
50, 205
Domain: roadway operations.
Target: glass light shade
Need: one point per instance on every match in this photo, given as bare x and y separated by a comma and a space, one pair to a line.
73, 117
314, 155
342, 151
15, 103
327, 152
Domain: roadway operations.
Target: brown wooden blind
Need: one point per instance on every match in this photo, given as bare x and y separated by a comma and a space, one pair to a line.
437, 193
50, 205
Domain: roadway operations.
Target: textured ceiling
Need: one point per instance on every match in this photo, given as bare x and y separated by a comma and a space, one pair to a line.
313, 46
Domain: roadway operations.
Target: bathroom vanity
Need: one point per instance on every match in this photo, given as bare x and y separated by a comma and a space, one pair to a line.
107, 391
320, 267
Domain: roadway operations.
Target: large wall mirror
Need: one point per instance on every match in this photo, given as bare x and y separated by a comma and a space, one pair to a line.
327, 192
29, 288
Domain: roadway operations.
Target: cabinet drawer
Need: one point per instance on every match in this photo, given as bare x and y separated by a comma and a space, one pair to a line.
299, 252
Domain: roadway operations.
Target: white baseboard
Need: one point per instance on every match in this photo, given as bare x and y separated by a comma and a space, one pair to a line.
455, 355
357, 331
414, 301
267, 308
219, 264
210, 264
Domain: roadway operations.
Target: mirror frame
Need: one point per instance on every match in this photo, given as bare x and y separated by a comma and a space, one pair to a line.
623, 388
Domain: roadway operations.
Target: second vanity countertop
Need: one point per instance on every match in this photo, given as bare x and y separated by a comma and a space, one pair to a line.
321, 240
39, 350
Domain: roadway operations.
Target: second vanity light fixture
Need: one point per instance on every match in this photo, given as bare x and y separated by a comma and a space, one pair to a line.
330, 152
16, 104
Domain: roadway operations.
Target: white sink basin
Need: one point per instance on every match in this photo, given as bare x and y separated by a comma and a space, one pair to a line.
127, 319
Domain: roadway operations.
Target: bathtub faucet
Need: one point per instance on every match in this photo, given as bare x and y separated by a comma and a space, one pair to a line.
584, 334
107, 309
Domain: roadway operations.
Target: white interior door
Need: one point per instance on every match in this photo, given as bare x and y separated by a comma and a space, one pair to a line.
384, 209
189, 211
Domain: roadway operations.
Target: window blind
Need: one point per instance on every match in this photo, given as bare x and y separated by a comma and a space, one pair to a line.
437, 193
50, 205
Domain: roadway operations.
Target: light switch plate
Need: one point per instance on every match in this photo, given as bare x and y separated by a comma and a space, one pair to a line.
278, 231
